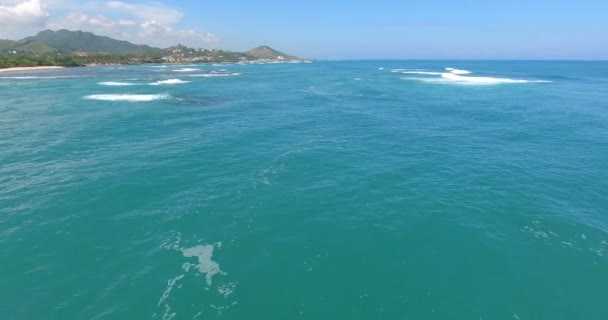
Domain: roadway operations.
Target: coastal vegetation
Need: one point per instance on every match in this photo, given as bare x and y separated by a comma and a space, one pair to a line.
9, 61
77, 48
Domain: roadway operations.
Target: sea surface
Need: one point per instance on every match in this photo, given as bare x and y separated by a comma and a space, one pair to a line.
325, 190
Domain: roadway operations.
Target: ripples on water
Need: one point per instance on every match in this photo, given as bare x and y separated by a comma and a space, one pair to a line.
359, 190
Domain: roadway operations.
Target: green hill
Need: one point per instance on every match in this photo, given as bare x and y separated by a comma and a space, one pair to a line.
27, 47
266, 52
79, 41
8, 44
36, 47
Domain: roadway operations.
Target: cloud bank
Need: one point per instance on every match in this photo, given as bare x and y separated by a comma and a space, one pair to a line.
152, 23
21, 17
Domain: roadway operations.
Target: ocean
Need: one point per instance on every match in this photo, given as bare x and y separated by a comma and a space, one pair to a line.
325, 190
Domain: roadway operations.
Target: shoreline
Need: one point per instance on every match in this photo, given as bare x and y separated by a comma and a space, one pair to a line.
16, 69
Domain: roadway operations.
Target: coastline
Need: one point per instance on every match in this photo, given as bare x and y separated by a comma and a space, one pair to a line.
15, 69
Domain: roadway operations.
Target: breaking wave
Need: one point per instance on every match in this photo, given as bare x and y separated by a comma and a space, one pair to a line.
116, 83
428, 73
168, 82
128, 97
458, 71
216, 74
458, 79
187, 70
457, 76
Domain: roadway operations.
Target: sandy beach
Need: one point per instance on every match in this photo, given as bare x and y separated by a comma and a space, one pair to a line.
15, 69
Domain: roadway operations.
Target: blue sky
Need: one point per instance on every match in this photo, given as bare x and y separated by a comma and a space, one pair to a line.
441, 29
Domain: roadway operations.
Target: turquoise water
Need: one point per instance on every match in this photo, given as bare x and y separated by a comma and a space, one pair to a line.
331, 190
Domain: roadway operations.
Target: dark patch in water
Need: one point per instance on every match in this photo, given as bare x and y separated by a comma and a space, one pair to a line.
201, 101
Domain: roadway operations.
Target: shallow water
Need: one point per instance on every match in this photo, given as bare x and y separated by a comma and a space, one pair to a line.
332, 190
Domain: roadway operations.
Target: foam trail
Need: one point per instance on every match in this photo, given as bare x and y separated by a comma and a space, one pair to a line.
116, 83
128, 97
170, 81
458, 71
170, 284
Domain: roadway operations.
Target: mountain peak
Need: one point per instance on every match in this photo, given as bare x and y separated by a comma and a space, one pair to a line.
266, 52
67, 40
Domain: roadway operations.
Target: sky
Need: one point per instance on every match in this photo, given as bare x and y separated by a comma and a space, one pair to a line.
339, 29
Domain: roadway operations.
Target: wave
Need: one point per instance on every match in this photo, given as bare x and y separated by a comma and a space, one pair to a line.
128, 97
485, 80
430, 73
458, 71
458, 79
213, 75
406, 71
167, 82
116, 83
186, 70
457, 76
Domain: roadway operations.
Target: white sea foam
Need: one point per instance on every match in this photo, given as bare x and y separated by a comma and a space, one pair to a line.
214, 75
412, 71
168, 82
458, 71
428, 73
186, 70
116, 83
206, 266
451, 77
457, 76
128, 97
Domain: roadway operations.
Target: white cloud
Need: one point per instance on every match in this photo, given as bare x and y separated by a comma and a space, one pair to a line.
170, 36
152, 23
22, 11
19, 18
127, 23
148, 11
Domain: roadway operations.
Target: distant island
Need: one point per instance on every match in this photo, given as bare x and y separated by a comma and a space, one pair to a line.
77, 48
